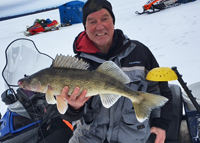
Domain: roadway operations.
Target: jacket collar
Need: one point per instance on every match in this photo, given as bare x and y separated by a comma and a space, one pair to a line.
84, 44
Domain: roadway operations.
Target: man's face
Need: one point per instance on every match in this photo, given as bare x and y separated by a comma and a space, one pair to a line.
100, 28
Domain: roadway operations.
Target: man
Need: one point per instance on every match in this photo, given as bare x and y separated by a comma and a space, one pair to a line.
101, 42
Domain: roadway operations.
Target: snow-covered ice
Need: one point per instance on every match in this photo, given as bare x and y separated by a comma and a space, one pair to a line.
171, 34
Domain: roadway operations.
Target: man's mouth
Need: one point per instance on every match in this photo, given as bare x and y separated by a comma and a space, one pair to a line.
102, 34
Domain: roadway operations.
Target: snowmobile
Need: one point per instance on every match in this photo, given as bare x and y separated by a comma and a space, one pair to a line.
41, 25
153, 6
28, 119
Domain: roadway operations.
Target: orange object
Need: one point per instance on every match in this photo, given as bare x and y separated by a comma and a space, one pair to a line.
68, 124
148, 6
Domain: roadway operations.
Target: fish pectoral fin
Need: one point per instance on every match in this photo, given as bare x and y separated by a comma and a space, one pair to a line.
109, 99
50, 97
62, 104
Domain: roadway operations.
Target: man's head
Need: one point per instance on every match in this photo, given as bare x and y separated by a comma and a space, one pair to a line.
99, 23
95, 5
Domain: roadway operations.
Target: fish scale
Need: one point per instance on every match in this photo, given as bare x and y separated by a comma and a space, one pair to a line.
108, 81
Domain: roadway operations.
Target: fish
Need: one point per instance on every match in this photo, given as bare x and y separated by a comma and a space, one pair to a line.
108, 81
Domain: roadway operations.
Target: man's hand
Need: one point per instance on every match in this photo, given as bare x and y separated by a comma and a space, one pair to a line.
160, 134
75, 100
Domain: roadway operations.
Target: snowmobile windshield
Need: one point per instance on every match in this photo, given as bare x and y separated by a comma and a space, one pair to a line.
23, 58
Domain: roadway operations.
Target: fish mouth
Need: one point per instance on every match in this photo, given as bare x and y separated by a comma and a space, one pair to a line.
26, 87
20, 84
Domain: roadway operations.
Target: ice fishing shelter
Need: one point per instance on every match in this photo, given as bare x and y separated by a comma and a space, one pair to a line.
71, 13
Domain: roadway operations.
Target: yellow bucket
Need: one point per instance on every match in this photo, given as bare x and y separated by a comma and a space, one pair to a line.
161, 74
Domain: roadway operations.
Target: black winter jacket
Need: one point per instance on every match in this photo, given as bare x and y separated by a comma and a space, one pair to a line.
136, 60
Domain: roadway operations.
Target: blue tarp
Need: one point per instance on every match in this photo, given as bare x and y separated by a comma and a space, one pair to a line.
71, 12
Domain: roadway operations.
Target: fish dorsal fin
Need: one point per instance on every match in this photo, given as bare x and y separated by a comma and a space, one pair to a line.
69, 62
111, 69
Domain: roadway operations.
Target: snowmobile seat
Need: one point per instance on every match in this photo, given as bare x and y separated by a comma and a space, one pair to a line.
173, 131
159, 7
48, 20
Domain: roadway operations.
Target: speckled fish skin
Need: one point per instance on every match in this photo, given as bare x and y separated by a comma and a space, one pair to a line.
108, 81
58, 78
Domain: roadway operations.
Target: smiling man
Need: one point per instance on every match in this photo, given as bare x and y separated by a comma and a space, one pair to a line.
100, 29
100, 42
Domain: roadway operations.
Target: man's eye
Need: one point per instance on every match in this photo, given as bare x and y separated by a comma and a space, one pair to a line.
105, 19
92, 22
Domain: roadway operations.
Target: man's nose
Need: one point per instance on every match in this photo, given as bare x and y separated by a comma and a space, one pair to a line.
99, 26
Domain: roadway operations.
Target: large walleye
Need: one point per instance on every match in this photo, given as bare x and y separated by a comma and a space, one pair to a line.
108, 80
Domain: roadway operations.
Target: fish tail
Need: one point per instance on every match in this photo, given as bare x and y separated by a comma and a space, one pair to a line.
62, 104
149, 102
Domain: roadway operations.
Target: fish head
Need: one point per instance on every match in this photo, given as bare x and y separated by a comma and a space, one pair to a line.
30, 84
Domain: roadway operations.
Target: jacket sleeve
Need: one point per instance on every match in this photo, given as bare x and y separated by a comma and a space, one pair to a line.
73, 115
166, 110
159, 88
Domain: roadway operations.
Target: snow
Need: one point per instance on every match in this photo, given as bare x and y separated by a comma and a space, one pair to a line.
172, 34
